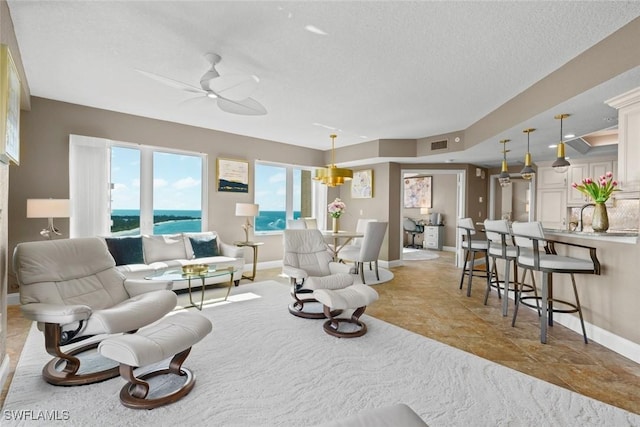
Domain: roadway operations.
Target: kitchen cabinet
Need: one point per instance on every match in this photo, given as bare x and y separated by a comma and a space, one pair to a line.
552, 207
628, 106
549, 178
433, 237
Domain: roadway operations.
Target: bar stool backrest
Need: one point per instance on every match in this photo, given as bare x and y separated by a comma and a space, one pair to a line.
532, 229
494, 229
467, 224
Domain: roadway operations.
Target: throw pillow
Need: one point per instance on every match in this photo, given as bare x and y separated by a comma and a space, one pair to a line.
163, 247
125, 250
203, 248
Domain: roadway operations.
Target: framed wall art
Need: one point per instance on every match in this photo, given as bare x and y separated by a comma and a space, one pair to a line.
417, 192
233, 175
362, 184
9, 108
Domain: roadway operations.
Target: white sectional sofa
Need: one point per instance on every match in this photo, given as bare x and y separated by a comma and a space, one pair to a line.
138, 257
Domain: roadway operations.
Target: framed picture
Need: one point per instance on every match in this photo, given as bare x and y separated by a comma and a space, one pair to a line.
362, 184
417, 192
9, 108
233, 175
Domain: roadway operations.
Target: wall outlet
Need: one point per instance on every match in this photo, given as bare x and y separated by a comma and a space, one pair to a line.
480, 199
479, 214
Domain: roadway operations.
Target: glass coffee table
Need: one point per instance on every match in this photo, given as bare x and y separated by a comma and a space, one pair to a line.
177, 275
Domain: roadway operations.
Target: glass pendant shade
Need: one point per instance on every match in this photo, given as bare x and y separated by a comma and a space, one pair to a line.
527, 171
333, 176
561, 165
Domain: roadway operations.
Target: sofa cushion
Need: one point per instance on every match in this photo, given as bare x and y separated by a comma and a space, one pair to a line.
204, 246
203, 235
163, 247
125, 250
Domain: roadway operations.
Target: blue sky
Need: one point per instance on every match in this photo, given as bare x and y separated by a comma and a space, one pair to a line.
271, 188
177, 182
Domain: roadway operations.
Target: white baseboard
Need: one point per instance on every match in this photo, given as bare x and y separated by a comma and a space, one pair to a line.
613, 342
4, 370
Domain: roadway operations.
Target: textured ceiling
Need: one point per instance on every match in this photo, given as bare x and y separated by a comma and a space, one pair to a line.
392, 69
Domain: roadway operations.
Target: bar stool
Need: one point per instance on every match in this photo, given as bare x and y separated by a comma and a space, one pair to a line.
471, 248
528, 236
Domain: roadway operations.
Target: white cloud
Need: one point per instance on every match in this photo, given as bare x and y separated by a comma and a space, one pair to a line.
279, 177
159, 183
187, 182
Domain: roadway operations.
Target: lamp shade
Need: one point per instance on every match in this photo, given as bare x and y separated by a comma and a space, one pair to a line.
47, 208
247, 209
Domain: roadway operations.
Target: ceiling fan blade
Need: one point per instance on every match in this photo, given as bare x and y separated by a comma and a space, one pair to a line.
234, 86
247, 107
171, 82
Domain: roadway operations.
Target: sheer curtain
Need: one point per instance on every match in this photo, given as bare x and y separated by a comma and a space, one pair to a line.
89, 190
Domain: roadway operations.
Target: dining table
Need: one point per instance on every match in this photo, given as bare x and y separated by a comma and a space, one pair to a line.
338, 240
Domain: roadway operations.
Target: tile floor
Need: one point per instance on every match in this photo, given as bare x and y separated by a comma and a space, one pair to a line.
424, 298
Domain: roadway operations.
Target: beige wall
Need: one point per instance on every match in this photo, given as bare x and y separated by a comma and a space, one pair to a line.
44, 170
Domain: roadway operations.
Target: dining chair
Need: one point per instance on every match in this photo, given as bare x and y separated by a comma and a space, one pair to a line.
528, 237
296, 224
369, 251
472, 247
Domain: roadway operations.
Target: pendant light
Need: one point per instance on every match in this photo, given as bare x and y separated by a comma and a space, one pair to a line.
561, 165
332, 176
504, 178
527, 171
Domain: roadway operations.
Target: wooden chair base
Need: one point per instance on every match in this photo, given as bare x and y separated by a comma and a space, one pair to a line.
62, 371
134, 394
297, 309
332, 326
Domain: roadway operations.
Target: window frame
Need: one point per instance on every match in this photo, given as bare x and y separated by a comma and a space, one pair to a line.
316, 195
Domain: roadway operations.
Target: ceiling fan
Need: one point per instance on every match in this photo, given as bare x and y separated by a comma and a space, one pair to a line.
231, 92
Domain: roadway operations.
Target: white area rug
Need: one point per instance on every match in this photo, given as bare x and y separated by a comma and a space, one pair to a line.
412, 254
262, 366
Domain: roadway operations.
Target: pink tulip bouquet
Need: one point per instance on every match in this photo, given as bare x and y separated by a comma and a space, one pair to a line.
600, 190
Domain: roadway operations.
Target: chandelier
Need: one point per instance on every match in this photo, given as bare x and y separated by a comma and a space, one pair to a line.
332, 176
527, 171
504, 178
561, 165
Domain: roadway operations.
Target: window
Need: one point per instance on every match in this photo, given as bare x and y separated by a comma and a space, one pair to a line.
148, 190
155, 192
283, 192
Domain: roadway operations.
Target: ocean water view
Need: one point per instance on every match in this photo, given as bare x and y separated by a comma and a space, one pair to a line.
126, 222
273, 220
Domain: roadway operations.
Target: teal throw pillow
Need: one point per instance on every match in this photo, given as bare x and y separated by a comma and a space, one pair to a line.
126, 250
203, 248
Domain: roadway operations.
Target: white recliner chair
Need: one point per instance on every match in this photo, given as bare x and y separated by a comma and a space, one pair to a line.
311, 267
73, 290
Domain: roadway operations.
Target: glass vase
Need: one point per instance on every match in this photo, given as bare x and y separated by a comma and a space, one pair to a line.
335, 226
600, 222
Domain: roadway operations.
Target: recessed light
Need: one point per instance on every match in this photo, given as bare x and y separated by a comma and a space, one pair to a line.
553, 145
569, 135
315, 30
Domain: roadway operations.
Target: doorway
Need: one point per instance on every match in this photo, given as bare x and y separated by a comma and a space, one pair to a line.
445, 183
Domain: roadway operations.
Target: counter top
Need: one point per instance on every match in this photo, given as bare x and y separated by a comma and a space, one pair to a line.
628, 237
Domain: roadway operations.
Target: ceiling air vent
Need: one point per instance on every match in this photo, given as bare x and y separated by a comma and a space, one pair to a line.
439, 145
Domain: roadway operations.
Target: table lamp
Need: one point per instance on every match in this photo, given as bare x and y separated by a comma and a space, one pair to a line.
48, 208
247, 210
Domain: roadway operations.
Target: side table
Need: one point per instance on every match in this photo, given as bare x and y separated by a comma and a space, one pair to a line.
254, 246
